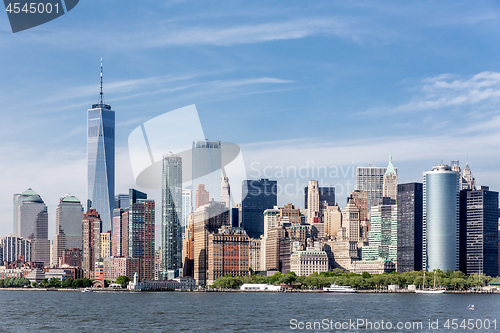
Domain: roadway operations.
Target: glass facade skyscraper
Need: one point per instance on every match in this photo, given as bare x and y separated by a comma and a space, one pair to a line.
371, 181
258, 195
382, 238
206, 167
171, 233
479, 231
101, 161
410, 210
441, 219
69, 216
32, 223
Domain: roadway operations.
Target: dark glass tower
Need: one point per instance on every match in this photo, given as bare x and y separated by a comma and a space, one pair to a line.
410, 210
101, 160
479, 231
258, 195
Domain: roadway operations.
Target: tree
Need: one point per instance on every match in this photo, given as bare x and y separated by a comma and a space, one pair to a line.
67, 283
34, 284
54, 282
122, 280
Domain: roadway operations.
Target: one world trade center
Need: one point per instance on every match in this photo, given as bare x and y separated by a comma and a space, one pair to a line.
101, 160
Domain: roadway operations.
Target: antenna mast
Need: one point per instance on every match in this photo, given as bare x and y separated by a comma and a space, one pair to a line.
101, 82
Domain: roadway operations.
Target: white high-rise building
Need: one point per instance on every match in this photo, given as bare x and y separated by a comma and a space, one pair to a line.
312, 201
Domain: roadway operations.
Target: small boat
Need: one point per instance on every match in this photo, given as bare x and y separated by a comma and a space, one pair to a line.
339, 289
86, 290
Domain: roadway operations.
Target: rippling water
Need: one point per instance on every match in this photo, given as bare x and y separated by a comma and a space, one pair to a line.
66, 311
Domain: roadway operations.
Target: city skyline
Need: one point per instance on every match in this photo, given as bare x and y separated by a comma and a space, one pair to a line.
403, 102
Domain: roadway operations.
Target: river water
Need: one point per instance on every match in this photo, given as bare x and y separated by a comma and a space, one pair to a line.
67, 311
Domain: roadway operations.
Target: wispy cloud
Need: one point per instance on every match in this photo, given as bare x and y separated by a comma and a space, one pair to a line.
450, 91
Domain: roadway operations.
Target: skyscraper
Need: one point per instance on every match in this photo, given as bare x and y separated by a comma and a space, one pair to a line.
351, 223
187, 209
171, 216
120, 226
382, 238
441, 219
207, 219
101, 159
141, 232
390, 186
32, 223
202, 197
370, 180
313, 209
479, 231
258, 195
69, 215
207, 166
410, 211
91, 236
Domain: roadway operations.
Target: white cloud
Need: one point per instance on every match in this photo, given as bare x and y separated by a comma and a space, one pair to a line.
447, 90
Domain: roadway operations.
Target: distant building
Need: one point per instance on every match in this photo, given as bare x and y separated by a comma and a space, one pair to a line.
410, 220
11, 248
441, 219
91, 229
171, 237
341, 253
258, 195
117, 266
466, 179
288, 214
202, 197
158, 268
106, 244
226, 192
333, 220
141, 234
351, 222
379, 266
188, 249
187, 209
382, 238
119, 239
71, 258
101, 160
390, 186
207, 219
308, 262
206, 168
31, 222
227, 253
254, 255
69, 215
479, 231
370, 180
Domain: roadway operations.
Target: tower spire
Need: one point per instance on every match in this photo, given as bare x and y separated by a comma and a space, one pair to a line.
101, 83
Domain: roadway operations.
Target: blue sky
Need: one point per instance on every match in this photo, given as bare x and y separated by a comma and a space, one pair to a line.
296, 84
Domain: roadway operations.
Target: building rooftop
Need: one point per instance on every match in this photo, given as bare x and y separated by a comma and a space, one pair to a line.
29, 192
33, 198
70, 198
